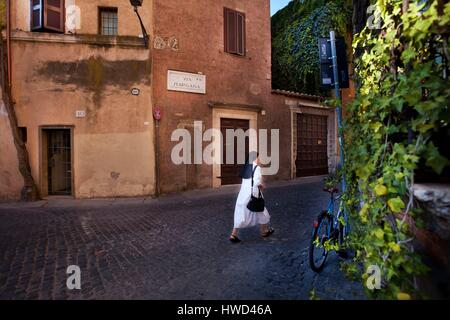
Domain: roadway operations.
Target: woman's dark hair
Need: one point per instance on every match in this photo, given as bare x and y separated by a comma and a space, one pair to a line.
247, 169
251, 156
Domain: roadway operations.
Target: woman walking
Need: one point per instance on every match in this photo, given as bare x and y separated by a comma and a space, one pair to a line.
243, 217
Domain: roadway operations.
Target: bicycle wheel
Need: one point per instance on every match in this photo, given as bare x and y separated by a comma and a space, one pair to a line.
317, 252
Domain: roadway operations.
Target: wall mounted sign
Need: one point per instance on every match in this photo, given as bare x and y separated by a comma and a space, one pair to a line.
135, 91
186, 82
80, 114
326, 64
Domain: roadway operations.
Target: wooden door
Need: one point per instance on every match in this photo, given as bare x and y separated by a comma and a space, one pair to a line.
312, 158
229, 173
59, 155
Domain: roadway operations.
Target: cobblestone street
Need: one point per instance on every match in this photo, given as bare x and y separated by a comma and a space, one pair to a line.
173, 247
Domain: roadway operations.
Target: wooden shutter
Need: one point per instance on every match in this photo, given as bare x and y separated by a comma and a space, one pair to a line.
234, 31
240, 33
36, 14
54, 15
230, 22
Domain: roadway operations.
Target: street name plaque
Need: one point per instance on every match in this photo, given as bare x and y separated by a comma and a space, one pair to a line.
186, 82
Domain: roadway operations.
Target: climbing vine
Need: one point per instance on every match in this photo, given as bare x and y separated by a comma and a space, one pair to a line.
295, 31
390, 131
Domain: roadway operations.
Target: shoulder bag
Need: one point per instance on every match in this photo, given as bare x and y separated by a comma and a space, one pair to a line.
256, 204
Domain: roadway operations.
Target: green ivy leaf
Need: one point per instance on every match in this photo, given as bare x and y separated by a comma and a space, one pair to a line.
403, 296
379, 233
396, 204
380, 190
409, 54
394, 246
435, 160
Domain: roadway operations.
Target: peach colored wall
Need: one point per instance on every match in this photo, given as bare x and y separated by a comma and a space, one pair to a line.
113, 144
87, 21
11, 181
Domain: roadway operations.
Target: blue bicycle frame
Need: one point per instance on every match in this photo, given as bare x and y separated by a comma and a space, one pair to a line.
335, 218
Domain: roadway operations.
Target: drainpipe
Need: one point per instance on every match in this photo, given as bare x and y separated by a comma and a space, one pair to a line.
157, 119
8, 38
157, 162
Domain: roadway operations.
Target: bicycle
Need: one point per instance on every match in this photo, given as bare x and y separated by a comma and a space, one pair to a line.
329, 232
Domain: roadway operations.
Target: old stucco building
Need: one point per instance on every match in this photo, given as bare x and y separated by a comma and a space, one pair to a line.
85, 88
87, 135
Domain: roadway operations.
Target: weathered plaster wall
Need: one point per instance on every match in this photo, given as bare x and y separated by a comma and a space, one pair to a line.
11, 181
87, 20
113, 145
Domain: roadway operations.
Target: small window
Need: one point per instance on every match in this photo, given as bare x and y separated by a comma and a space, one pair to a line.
234, 32
47, 15
108, 21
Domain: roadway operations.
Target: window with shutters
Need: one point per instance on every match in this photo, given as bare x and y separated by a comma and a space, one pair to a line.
108, 21
234, 31
47, 15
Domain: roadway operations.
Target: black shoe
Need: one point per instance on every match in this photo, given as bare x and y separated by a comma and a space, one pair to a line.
268, 233
234, 239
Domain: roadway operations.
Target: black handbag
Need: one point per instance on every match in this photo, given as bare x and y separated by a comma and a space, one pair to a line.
256, 204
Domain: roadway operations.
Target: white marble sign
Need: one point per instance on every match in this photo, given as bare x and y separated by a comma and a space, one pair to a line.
80, 114
186, 82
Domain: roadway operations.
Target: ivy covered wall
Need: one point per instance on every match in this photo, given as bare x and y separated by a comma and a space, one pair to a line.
295, 33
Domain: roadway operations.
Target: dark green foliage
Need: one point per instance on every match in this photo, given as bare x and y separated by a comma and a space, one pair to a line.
295, 33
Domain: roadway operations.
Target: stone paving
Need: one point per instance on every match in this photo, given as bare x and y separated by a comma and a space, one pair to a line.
172, 247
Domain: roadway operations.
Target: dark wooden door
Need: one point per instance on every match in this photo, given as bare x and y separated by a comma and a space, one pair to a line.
59, 162
230, 172
312, 158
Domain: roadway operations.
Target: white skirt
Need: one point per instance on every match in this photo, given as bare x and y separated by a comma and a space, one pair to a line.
244, 218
